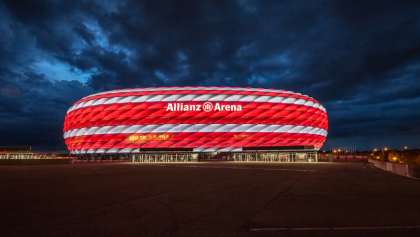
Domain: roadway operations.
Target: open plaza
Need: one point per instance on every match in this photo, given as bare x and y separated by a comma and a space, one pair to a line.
207, 199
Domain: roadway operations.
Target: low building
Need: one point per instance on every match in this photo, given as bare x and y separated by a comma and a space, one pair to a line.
24, 152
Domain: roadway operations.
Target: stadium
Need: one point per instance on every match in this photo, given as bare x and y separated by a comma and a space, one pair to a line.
183, 124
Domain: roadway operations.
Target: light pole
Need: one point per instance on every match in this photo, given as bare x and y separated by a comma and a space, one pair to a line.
383, 153
402, 154
339, 154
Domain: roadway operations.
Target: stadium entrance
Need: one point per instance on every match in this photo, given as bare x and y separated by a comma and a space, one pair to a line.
276, 157
169, 157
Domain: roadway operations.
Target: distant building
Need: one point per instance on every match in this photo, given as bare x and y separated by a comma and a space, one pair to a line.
190, 123
24, 152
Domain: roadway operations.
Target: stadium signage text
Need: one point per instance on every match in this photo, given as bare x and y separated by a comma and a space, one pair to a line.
207, 107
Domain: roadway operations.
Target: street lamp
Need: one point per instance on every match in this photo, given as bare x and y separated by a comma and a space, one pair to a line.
373, 152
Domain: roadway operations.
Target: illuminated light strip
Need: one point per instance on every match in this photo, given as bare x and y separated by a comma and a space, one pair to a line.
200, 149
179, 98
78, 120
192, 88
182, 92
204, 141
215, 98
82, 118
182, 140
194, 128
143, 106
244, 104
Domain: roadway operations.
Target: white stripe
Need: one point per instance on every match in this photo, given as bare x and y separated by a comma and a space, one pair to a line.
289, 100
128, 99
177, 128
158, 98
234, 98
214, 98
227, 128
142, 98
218, 97
205, 97
249, 98
172, 98
263, 98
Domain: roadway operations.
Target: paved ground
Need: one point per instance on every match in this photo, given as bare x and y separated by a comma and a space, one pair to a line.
206, 199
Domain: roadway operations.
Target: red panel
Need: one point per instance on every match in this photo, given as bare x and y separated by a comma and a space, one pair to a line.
201, 92
181, 143
143, 105
193, 136
151, 144
157, 92
137, 144
87, 145
215, 92
97, 145
114, 106
245, 93
231, 92
115, 114
158, 113
166, 144
197, 143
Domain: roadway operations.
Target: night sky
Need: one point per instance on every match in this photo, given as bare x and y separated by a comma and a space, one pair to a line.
361, 61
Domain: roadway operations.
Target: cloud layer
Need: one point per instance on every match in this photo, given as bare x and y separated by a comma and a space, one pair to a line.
361, 60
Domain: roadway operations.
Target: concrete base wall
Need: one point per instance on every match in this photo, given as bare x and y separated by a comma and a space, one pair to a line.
414, 171
409, 170
36, 162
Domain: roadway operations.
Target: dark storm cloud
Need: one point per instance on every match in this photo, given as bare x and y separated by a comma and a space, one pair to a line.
361, 60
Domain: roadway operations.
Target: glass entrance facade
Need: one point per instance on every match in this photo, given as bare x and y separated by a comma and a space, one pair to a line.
276, 157
163, 157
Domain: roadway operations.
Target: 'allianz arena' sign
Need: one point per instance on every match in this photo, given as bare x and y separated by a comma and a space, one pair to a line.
207, 107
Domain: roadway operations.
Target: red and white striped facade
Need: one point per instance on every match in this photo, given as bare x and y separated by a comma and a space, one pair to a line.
207, 119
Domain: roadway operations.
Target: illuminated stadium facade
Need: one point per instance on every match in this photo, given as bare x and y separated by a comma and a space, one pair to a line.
190, 123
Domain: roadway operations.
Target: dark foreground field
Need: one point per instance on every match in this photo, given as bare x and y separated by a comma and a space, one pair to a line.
207, 199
